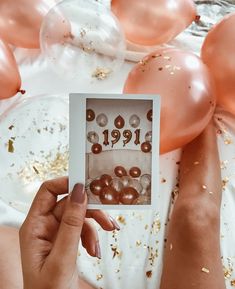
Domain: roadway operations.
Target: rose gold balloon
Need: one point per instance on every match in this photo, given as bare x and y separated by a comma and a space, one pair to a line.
218, 52
128, 195
109, 196
135, 172
120, 171
10, 81
186, 90
96, 148
20, 21
151, 22
106, 179
96, 187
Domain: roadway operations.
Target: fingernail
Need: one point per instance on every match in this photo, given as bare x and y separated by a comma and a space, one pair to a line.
97, 250
115, 224
78, 194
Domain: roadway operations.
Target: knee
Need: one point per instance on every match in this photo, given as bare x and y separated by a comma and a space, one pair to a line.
196, 217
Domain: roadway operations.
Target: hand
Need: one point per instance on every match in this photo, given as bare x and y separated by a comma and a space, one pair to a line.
50, 236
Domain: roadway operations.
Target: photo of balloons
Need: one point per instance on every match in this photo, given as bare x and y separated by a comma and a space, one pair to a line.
186, 89
153, 22
10, 81
20, 21
218, 53
89, 41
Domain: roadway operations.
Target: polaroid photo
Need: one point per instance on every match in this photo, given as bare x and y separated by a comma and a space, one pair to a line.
114, 149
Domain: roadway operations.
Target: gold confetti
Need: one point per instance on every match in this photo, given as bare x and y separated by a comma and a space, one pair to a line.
171, 247
149, 274
232, 282
211, 193
99, 277
101, 73
146, 227
204, 187
121, 220
228, 141
36, 170
10, 146
138, 243
196, 163
224, 182
163, 180
156, 226
205, 270
227, 272
11, 127
116, 251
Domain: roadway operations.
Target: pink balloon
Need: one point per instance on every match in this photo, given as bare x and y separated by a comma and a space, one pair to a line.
151, 22
10, 81
20, 21
218, 53
186, 90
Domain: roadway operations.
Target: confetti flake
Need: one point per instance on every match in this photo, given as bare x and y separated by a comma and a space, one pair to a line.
196, 163
99, 277
149, 274
171, 247
101, 73
204, 187
205, 270
138, 243
10, 146
232, 282
121, 220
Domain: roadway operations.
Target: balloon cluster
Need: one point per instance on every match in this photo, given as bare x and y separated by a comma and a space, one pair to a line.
83, 38
122, 188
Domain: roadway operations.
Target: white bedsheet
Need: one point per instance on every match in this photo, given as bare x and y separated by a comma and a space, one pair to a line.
138, 247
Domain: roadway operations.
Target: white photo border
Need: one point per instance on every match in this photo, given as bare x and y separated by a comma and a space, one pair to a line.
77, 144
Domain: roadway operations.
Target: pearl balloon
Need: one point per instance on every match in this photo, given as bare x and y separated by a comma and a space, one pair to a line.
126, 181
92, 137
145, 181
136, 185
187, 93
102, 120
134, 121
151, 22
148, 136
116, 184
218, 53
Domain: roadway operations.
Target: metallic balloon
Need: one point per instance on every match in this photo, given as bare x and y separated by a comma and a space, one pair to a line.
153, 22
106, 179
187, 108
145, 181
120, 171
102, 120
109, 196
96, 187
128, 195
136, 185
134, 121
148, 136
218, 53
116, 184
20, 21
10, 81
92, 137
126, 181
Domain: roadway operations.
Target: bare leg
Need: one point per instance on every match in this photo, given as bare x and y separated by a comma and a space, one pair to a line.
192, 259
10, 263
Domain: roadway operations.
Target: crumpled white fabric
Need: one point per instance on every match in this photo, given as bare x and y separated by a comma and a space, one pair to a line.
132, 258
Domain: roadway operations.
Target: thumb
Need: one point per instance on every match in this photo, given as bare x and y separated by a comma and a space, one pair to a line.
69, 232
